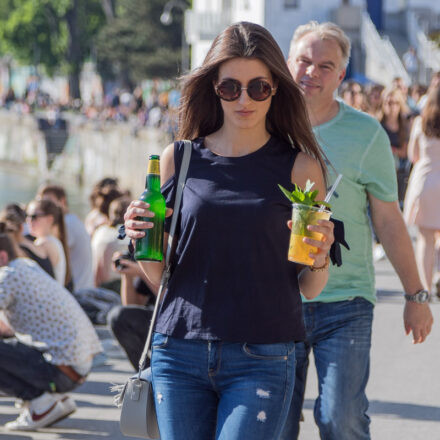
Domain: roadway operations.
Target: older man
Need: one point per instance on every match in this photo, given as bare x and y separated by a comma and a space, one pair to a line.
338, 322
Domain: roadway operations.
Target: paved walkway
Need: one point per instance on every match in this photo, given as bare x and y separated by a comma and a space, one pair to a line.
404, 387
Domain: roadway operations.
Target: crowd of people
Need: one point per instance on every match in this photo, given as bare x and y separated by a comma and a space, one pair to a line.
49, 256
153, 106
232, 341
403, 111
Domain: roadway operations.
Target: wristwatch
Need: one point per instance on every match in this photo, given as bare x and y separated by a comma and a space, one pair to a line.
420, 297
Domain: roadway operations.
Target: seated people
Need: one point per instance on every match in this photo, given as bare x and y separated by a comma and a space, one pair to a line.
98, 214
46, 224
105, 243
38, 306
78, 240
130, 322
15, 217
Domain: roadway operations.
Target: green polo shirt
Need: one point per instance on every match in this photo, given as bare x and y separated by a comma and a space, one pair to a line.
358, 148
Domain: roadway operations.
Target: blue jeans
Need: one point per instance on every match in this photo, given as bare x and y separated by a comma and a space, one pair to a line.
208, 390
340, 335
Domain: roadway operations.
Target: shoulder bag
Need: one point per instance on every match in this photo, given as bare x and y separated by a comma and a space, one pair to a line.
138, 412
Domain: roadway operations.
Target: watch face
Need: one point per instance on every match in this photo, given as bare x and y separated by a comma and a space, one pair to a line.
422, 296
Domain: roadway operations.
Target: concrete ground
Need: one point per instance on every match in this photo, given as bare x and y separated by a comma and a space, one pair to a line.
404, 389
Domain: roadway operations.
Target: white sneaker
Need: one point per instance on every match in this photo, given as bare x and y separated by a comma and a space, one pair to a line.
68, 404
42, 411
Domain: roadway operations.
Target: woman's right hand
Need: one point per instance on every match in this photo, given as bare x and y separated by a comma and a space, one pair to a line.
135, 228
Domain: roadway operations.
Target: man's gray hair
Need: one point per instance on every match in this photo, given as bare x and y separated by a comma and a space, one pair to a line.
326, 31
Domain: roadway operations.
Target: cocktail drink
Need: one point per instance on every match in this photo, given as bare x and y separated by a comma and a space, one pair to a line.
302, 216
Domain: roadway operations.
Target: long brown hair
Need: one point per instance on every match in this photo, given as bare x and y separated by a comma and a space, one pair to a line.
431, 114
49, 207
7, 242
200, 111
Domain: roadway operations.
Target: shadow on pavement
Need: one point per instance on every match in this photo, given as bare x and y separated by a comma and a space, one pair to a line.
409, 411
389, 296
93, 387
16, 437
405, 410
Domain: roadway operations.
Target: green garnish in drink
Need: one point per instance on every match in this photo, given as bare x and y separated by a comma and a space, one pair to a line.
304, 197
305, 211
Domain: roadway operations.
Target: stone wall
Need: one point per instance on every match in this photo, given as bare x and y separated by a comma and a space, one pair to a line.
92, 150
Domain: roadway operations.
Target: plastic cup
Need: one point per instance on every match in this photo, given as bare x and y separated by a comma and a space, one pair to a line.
302, 216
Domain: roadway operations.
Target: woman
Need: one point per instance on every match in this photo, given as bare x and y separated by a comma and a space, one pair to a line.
373, 93
421, 207
353, 94
102, 194
105, 243
14, 218
46, 224
224, 348
394, 120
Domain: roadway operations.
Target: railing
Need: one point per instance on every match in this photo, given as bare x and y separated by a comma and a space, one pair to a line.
382, 63
205, 25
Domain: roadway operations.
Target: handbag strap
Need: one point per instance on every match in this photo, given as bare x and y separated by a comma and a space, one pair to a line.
146, 353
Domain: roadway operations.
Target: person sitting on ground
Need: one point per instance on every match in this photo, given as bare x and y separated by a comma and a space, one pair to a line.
105, 243
14, 216
130, 321
38, 306
46, 224
96, 217
78, 240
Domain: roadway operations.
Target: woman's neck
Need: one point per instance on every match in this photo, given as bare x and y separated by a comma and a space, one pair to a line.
392, 121
233, 142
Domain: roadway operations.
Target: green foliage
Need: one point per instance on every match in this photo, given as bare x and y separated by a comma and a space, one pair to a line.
37, 32
304, 197
136, 45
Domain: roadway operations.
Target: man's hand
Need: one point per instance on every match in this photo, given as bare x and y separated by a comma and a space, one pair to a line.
418, 319
5, 330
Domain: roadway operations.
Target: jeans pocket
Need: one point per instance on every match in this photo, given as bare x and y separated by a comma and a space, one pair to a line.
279, 351
160, 340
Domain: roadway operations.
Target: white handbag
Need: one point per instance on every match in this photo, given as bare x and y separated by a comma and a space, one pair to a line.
138, 412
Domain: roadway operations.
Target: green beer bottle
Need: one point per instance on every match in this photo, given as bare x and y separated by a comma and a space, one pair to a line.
150, 247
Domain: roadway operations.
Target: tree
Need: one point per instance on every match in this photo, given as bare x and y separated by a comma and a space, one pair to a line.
57, 34
136, 45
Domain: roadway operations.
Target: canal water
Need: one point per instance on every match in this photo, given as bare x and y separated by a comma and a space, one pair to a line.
19, 184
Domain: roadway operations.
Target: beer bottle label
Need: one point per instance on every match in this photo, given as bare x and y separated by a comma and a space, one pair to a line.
153, 167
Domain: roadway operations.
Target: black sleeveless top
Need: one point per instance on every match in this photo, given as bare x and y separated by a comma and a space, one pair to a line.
231, 279
44, 263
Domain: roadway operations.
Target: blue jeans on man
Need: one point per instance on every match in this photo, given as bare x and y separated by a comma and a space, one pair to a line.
339, 334
227, 391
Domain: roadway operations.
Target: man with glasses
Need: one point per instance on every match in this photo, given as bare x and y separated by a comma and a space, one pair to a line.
338, 322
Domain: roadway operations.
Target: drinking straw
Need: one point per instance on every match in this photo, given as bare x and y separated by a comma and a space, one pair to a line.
332, 190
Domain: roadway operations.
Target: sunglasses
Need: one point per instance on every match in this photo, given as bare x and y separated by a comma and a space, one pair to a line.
35, 216
257, 89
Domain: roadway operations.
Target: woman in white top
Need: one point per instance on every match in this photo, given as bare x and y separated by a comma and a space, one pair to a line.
421, 205
46, 224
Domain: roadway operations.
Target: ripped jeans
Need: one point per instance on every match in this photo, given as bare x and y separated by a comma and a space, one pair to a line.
208, 390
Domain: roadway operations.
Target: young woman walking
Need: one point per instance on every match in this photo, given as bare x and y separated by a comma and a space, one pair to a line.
224, 348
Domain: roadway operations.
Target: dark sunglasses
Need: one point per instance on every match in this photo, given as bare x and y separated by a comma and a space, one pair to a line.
257, 89
35, 216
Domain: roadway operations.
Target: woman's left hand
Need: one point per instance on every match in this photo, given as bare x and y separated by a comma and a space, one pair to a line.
325, 227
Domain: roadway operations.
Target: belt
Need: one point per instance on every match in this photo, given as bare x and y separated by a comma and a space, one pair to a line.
71, 374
